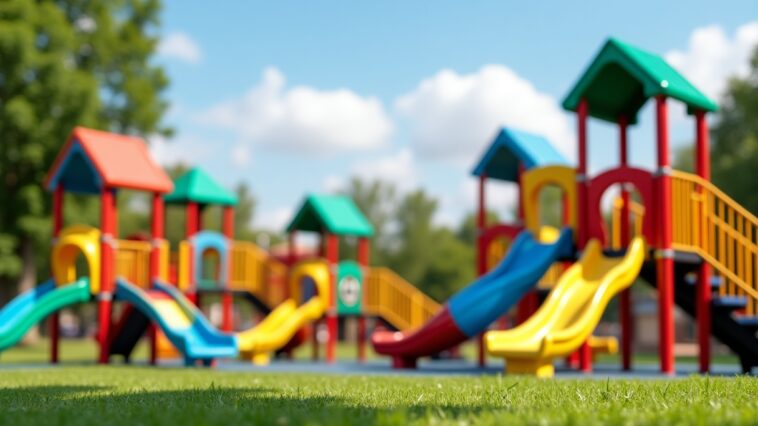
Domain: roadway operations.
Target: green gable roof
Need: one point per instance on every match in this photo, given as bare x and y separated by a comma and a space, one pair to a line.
198, 187
622, 77
336, 214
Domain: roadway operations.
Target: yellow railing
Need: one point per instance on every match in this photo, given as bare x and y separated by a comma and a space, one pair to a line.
133, 261
708, 222
636, 216
400, 303
254, 271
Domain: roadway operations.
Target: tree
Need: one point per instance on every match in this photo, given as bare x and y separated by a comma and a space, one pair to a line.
65, 63
468, 229
378, 201
735, 140
244, 213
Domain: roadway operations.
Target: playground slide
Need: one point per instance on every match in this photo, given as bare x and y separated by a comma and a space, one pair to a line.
277, 329
475, 307
283, 323
571, 312
184, 325
31, 307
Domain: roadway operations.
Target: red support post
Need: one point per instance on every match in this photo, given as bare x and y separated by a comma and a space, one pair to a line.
703, 310
585, 352
227, 298
157, 233
105, 295
54, 323
363, 260
665, 254
332, 257
481, 225
625, 305
190, 228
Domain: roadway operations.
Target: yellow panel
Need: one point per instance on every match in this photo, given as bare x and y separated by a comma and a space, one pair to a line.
532, 183
72, 241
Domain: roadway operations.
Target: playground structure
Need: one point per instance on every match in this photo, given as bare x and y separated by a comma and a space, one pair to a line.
674, 229
680, 229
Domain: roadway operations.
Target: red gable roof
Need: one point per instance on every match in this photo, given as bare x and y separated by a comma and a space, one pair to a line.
119, 161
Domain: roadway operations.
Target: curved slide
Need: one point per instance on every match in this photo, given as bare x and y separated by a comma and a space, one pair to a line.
31, 307
475, 307
184, 325
570, 313
283, 323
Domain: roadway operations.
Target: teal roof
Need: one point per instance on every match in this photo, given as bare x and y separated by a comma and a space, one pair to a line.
622, 78
512, 147
196, 186
336, 214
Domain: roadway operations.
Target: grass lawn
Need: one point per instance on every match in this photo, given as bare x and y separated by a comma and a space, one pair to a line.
132, 395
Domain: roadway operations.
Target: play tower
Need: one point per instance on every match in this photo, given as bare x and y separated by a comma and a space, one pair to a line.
100, 163
615, 86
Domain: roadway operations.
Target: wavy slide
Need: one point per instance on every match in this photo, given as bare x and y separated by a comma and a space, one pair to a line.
281, 325
475, 307
183, 323
570, 313
33, 306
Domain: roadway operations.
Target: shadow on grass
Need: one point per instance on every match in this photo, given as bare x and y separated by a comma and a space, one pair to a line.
208, 405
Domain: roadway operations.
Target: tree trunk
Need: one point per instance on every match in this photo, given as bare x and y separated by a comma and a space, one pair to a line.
28, 281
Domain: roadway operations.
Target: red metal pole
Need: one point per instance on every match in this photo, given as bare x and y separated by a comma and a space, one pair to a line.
363, 260
157, 231
227, 298
54, 323
703, 169
585, 352
665, 255
528, 304
105, 295
481, 225
190, 228
332, 257
625, 305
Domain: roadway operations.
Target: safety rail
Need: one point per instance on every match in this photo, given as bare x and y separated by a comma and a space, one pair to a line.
710, 223
636, 216
391, 297
254, 271
133, 261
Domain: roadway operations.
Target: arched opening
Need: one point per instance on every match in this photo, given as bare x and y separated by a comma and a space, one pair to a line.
552, 208
635, 179
308, 288
549, 197
210, 270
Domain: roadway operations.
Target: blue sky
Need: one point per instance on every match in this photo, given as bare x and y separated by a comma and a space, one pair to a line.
293, 97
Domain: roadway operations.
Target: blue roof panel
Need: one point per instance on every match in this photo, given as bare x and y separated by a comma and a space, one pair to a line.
512, 147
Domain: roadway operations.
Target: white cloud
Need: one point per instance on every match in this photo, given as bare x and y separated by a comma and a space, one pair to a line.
180, 150
303, 119
712, 57
181, 46
455, 116
398, 168
240, 155
274, 220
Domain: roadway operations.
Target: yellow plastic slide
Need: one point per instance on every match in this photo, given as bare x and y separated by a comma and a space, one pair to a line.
571, 312
283, 322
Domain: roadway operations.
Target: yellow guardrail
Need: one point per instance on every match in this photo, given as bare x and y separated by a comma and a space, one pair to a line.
389, 296
132, 261
636, 216
254, 271
710, 223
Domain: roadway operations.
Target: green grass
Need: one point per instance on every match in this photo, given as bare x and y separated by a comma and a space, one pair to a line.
124, 395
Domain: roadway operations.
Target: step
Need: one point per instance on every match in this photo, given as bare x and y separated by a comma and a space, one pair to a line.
747, 321
691, 279
730, 302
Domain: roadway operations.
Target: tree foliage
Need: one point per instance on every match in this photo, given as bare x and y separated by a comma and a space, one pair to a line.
735, 140
66, 63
